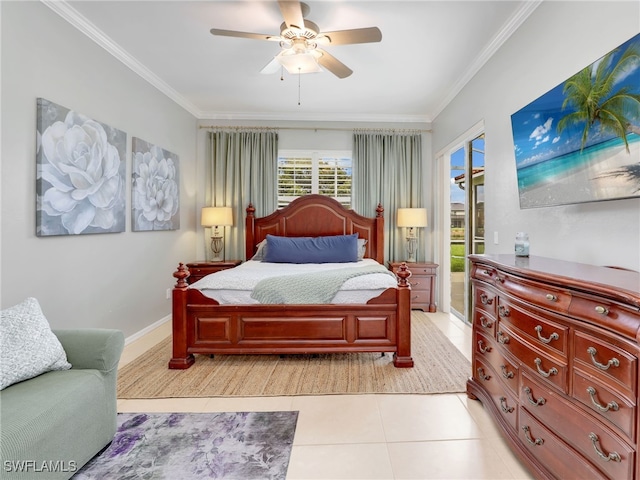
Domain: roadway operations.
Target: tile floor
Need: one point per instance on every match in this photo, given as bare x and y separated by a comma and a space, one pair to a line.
443, 436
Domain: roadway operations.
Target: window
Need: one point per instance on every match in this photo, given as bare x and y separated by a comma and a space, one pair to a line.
301, 172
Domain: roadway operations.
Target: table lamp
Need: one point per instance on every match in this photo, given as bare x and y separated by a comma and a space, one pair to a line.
412, 218
216, 217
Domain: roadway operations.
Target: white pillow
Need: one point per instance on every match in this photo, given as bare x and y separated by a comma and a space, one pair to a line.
28, 347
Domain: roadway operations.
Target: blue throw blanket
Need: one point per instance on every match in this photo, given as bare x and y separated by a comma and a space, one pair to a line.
309, 288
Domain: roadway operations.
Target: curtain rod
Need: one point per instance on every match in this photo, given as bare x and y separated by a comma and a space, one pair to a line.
380, 130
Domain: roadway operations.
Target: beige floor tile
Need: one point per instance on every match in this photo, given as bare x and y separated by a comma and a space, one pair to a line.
250, 404
328, 462
333, 419
408, 418
451, 459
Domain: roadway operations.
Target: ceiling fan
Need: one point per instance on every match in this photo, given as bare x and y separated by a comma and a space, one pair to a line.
300, 40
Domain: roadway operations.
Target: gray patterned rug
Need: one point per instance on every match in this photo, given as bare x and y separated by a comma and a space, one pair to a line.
243, 446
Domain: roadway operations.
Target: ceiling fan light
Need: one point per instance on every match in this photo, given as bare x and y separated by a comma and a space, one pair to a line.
299, 63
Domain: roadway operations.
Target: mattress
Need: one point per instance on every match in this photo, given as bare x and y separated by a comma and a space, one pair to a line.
234, 286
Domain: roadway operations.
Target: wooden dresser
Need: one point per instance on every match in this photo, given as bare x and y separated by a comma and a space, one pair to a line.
555, 362
423, 284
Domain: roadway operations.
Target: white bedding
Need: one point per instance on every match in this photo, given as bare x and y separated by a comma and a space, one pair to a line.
234, 286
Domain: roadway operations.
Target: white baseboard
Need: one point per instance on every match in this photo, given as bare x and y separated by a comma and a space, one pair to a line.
146, 330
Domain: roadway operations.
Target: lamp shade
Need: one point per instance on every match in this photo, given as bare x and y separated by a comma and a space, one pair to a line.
216, 216
412, 217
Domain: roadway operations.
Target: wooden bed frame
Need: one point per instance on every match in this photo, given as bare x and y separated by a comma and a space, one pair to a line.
383, 324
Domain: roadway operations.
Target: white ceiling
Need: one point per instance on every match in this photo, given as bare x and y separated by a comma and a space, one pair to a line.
429, 50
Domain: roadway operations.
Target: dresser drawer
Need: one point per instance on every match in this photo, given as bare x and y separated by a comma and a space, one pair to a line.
583, 432
607, 361
538, 330
420, 296
552, 452
485, 298
485, 322
607, 314
506, 403
539, 294
543, 365
506, 369
484, 273
420, 283
605, 402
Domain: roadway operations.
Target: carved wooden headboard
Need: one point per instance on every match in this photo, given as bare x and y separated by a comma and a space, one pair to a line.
314, 216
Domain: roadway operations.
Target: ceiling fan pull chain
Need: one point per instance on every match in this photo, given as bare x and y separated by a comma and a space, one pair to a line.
299, 86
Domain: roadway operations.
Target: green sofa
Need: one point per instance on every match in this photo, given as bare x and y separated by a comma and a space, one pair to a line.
53, 424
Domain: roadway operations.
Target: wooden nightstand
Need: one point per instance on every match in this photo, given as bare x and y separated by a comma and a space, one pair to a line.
423, 284
197, 270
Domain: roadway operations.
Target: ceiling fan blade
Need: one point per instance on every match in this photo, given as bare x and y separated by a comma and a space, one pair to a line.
356, 35
292, 13
334, 65
233, 33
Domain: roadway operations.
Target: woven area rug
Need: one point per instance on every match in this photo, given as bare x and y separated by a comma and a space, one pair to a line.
172, 446
439, 368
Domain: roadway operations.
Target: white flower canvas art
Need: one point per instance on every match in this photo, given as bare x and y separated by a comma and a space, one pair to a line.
80, 173
155, 188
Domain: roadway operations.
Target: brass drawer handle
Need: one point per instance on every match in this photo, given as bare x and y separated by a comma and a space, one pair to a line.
500, 279
541, 401
485, 323
505, 372
613, 456
503, 405
503, 311
553, 336
482, 375
552, 370
614, 362
502, 338
551, 297
602, 310
483, 349
612, 405
527, 435
485, 300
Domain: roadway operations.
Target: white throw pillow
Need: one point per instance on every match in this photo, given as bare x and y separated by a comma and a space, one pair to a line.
28, 347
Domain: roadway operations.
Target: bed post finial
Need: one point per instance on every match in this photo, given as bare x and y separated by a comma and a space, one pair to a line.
403, 274
182, 273
251, 210
379, 210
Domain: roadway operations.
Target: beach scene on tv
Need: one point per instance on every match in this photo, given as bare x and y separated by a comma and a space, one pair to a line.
580, 141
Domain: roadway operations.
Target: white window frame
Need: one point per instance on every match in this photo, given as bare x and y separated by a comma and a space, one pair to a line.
315, 156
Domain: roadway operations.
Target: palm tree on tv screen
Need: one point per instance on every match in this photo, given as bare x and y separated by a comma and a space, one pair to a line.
591, 93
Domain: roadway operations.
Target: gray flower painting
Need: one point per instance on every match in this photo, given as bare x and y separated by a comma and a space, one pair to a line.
155, 189
80, 169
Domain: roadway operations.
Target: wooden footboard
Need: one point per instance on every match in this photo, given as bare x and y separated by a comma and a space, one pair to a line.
202, 326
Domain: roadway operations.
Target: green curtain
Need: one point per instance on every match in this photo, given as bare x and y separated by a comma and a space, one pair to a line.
387, 169
244, 169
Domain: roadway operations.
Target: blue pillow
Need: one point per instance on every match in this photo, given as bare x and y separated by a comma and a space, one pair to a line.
331, 249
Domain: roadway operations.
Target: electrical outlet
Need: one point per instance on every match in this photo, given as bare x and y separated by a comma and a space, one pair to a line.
495, 238
168, 293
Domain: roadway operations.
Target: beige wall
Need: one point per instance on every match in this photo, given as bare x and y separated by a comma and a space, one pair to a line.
556, 41
116, 280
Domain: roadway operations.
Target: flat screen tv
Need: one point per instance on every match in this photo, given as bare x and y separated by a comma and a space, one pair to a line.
580, 141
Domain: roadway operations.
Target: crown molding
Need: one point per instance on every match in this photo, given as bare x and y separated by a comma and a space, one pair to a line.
76, 19
514, 22
316, 117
